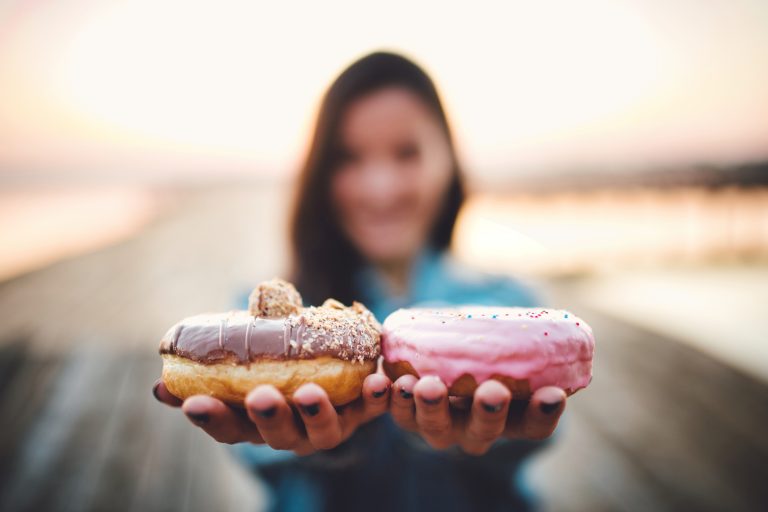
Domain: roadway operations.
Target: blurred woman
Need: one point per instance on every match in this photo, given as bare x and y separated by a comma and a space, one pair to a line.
374, 214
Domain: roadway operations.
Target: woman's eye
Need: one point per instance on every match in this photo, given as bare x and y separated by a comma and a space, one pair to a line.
407, 152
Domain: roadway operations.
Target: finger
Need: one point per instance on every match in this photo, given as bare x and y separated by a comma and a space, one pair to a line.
488, 417
376, 389
373, 402
220, 421
162, 394
540, 417
432, 414
401, 402
320, 418
273, 417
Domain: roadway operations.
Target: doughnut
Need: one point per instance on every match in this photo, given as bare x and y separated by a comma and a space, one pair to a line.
278, 342
522, 348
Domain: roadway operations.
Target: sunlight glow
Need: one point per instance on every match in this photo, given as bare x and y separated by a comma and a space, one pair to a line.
529, 85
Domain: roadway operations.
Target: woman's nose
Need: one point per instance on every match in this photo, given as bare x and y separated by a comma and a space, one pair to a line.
382, 183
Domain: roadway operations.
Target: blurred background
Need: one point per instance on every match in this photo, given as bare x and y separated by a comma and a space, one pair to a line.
617, 154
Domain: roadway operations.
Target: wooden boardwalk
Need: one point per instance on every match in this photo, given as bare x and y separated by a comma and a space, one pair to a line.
662, 427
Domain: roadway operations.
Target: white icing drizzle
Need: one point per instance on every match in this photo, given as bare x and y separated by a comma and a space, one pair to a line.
248, 338
287, 328
300, 330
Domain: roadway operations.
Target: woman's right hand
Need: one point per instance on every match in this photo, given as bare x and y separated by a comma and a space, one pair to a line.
311, 424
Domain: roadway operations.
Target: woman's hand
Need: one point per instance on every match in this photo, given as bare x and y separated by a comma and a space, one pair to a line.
314, 424
422, 405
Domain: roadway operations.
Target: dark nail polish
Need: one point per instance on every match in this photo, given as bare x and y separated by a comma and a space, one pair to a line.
405, 394
311, 409
266, 413
154, 391
431, 401
379, 394
549, 408
492, 408
200, 418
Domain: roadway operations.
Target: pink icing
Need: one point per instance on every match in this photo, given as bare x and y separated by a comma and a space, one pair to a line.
547, 347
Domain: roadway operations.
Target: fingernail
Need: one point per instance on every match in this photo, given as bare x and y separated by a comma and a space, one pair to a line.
492, 408
199, 418
311, 409
549, 408
431, 401
380, 393
266, 413
154, 391
405, 393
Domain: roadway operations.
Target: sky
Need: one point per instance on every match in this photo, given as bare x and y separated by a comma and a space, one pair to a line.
182, 90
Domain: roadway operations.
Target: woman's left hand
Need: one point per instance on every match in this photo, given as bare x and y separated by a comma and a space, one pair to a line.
422, 405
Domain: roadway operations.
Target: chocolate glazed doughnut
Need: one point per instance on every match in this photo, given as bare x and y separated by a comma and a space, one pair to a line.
278, 342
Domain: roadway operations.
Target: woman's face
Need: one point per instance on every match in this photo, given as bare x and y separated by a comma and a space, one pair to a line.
393, 175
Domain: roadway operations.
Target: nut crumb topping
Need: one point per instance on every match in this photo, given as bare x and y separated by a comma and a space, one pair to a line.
274, 299
350, 333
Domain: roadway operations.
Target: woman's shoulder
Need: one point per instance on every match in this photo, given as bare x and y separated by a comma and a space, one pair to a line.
458, 283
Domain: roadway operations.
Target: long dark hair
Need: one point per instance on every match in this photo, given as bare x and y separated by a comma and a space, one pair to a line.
324, 260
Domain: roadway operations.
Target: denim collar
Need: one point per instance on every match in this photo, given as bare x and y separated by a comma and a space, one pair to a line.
380, 299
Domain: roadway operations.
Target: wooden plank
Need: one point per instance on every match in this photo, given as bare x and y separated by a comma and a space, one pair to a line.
22, 401
12, 353
641, 406
93, 442
698, 380
164, 476
47, 439
582, 470
129, 445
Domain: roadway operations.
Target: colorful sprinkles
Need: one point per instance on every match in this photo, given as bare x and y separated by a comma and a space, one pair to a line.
533, 314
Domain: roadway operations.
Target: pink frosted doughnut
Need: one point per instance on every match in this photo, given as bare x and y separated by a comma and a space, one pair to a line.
523, 348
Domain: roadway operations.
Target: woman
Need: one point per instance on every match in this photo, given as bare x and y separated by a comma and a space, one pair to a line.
374, 213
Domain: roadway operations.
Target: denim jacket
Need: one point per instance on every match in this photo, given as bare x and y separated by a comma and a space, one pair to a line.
381, 467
